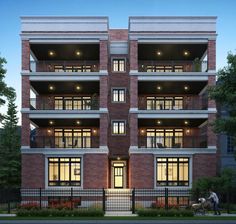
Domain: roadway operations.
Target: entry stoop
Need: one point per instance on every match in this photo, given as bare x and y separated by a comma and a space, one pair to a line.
118, 201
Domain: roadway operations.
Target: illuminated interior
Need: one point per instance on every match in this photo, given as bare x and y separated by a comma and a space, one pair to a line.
172, 172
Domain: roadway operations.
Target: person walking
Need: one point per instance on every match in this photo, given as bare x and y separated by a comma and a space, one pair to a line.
215, 200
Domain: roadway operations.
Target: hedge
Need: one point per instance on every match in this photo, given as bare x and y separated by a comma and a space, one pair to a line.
165, 213
47, 212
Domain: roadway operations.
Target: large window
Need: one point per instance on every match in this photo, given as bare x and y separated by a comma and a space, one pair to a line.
118, 127
118, 65
172, 172
64, 171
73, 103
164, 103
164, 138
118, 95
73, 138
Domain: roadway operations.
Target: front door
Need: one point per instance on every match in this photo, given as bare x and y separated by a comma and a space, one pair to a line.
118, 174
118, 177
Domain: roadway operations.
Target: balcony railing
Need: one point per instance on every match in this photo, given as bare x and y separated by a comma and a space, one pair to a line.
64, 66
172, 103
64, 142
51, 104
172, 66
172, 142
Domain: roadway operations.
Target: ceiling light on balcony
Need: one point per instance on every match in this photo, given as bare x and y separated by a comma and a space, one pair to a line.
159, 53
78, 88
186, 88
78, 53
186, 53
158, 87
94, 131
49, 131
186, 122
78, 122
51, 122
142, 131
51, 87
51, 53
118, 158
158, 122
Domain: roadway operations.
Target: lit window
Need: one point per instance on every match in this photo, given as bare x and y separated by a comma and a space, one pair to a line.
172, 172
64, 172
118, 65
118, 127
118, 95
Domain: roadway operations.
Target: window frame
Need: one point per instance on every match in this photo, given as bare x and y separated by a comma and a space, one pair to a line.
178, 167
119, 59
118, 89
59, 162
118, 121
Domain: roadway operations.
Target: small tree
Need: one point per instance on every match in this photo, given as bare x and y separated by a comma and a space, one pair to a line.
10, 147
224, 93
5, 91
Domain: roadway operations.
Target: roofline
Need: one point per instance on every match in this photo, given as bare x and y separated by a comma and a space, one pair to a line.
64, 17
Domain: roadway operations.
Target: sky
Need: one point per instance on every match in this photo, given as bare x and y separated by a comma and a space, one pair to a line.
118, 13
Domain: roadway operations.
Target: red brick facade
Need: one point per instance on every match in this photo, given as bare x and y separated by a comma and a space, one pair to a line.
33, 171
211, 53
204, 165
141, 171
95, 172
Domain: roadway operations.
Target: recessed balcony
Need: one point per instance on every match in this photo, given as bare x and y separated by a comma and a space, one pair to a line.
64, 58
172, 58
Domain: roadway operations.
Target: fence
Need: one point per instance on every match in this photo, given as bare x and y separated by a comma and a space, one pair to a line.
105, 199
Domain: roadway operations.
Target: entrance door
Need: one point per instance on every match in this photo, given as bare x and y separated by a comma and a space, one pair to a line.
118, 174
118, 177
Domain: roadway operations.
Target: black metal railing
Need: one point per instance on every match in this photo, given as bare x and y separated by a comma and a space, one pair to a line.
64, 66
172, 142
51, 104
172, 66
64, 142
186, 103
104, 199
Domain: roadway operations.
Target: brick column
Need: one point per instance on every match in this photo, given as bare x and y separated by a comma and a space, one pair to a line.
25, 55
25, 130
211, 136
103, 130
103, 89
133, 130
133, 92
133, 54
211, 82
211, 55
103, 55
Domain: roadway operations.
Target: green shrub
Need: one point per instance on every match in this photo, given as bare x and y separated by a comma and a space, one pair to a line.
48, 212
149, 212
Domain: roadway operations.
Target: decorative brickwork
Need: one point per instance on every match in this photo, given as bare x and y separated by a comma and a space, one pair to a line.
103, 54
25, 55
133, 54
211, 55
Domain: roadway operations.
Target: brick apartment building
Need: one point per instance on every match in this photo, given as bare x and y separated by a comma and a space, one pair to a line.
117, 108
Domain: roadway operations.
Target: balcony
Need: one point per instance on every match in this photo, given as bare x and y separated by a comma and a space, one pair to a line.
65, 103
151, 66
172, 103
64, 142
59, 66
161, 142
